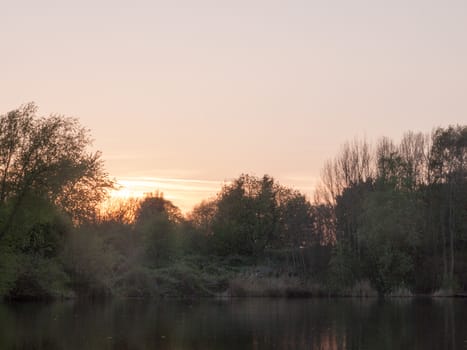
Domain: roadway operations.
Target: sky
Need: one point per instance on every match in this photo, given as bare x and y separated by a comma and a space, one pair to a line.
182, 96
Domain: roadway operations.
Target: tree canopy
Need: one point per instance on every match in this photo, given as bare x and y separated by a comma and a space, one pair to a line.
390, 217
48, 157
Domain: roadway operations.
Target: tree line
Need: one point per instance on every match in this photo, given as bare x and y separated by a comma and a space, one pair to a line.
391, 216
399, 211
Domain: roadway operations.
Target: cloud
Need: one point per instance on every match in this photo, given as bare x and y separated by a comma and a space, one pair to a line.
185, 193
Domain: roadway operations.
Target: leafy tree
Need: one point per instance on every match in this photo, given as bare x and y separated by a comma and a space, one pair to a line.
158, 222
247, 216
202, 216
33, 246
252, 214
296, 219
154, 204
48, 157
48, 180
390, 227
448, 170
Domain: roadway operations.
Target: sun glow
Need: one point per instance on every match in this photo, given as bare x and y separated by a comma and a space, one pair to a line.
184, 193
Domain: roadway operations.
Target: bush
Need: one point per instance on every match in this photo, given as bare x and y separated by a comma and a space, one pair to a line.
90, 263
41, 278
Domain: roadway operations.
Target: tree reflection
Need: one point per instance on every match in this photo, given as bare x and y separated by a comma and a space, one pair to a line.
336, 324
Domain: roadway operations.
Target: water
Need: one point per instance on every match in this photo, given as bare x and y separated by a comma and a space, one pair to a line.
324, 324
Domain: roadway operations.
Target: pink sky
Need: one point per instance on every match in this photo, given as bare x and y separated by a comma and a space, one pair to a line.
185, 95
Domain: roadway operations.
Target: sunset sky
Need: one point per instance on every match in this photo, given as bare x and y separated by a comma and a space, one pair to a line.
181, 96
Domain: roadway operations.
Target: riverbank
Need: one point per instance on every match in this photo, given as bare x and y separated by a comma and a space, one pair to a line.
236, 277
195, 276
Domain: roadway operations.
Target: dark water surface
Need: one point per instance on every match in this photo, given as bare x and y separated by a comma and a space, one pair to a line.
324, 324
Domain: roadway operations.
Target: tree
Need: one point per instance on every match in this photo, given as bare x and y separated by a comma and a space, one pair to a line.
359, 191
155, 204
48, 180
343, 180
296, 226
252, 214
390, 229
202, 216
47, 157
448, 171
246, 219
157, 222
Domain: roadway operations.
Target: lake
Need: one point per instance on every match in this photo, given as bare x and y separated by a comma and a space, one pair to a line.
324, 324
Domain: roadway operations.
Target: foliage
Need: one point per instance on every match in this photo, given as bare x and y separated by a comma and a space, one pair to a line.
390, 218
157, 222
48, 157
252, 214
406, 215
48, 180
90, 264
8, 270
39, 277
342, 267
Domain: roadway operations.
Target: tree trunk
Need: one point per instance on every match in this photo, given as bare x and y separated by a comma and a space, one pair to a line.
451, 234
443, 238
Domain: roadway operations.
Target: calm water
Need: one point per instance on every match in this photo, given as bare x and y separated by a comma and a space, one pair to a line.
237, 324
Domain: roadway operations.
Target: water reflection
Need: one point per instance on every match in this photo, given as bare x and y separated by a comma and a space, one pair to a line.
237, 324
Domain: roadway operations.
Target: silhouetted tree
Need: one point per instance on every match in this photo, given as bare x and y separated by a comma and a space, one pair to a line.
48, 157
48, 179
448, 168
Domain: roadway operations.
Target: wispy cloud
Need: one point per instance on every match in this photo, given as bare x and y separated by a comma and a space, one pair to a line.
185, 193
303, 182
